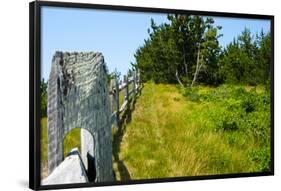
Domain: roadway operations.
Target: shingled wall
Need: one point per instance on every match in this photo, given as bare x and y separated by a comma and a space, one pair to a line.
78, 97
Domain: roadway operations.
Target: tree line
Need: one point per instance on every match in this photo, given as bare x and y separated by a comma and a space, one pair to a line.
186, 51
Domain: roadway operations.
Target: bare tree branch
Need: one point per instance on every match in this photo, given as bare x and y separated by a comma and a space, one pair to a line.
177, 76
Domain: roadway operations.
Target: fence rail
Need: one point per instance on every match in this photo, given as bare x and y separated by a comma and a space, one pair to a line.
122, 88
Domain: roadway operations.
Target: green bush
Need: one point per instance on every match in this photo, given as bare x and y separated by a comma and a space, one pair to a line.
192, 94
258, 125
240, 114
177, 99
261, 157
236, 109
229, 122
248, 103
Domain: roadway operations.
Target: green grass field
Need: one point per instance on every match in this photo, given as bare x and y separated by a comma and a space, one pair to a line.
182, 132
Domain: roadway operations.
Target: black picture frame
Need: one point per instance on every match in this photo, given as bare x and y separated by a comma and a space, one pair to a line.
34, 91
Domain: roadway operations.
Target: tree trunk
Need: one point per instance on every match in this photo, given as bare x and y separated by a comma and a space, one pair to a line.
198, 67
177, 76
184, 62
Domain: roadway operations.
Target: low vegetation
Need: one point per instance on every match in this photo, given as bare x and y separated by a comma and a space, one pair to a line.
200, 131
44, 140
44, 148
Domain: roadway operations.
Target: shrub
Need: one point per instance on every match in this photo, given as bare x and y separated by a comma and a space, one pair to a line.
176, 99
233, 104
262, 158
258, 125
192, 94
229, 122
248, 103
239, 92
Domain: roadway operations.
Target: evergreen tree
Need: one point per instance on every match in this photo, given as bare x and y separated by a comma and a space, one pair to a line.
186, 51
247, 59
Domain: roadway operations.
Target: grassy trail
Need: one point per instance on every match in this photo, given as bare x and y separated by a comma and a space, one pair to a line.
170, 136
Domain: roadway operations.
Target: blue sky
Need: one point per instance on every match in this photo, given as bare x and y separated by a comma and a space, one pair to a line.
116, 34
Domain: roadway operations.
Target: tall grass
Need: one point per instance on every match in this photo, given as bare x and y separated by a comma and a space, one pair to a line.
44, 147
182, 132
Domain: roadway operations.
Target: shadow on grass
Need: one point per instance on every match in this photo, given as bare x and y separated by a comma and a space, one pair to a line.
118, 136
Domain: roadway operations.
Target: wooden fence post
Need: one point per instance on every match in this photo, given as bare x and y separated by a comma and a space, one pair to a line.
137, 80
134, 83
116, 86
117, 101
126, 92
112, 98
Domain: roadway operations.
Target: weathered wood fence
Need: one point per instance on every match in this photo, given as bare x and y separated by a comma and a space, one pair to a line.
131, 85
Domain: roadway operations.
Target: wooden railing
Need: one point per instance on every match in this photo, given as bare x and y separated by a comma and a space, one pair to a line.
127, 89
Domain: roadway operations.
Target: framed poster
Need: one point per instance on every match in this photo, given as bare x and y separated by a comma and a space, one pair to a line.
128, 95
